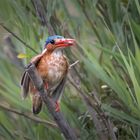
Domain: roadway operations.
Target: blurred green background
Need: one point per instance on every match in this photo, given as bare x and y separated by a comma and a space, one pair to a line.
102, 94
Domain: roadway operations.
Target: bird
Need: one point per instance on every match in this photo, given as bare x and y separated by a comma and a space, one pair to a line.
52, 65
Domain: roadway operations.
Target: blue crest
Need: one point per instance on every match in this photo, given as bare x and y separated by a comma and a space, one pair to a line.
50, 38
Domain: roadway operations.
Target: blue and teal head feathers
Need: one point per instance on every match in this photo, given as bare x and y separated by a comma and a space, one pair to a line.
51, 39
58, 41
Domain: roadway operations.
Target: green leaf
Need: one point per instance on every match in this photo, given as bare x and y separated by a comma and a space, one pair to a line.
22, 55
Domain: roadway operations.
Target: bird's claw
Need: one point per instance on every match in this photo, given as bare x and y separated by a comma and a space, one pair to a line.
57, 106
46, 85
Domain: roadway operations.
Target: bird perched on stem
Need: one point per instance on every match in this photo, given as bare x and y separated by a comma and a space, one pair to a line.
52, 66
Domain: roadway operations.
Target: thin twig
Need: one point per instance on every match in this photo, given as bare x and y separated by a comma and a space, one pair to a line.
73, 64
11, 52
23, 135
82, 4
98, 125
23, 42
29, 116
105, 119
41, 14
102, 124
67, 131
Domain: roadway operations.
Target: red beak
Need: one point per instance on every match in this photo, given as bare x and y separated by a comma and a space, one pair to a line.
65, 42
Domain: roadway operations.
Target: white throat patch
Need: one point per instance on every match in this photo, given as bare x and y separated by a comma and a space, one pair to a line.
58, 52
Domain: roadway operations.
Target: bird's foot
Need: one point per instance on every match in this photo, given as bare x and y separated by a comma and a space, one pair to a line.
57, 106
46, 85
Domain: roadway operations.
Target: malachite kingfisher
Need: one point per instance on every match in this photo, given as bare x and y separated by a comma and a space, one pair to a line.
52, 65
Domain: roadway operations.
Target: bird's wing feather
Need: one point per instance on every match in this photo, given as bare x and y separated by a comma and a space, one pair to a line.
25, 80
57, 93
22, 79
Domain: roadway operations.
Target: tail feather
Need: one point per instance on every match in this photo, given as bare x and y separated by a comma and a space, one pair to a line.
36, 103
25, 82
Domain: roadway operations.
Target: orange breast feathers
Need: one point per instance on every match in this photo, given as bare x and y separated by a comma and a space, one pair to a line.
52, 68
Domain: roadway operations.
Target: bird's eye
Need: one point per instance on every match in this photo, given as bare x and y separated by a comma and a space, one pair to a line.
52, 41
